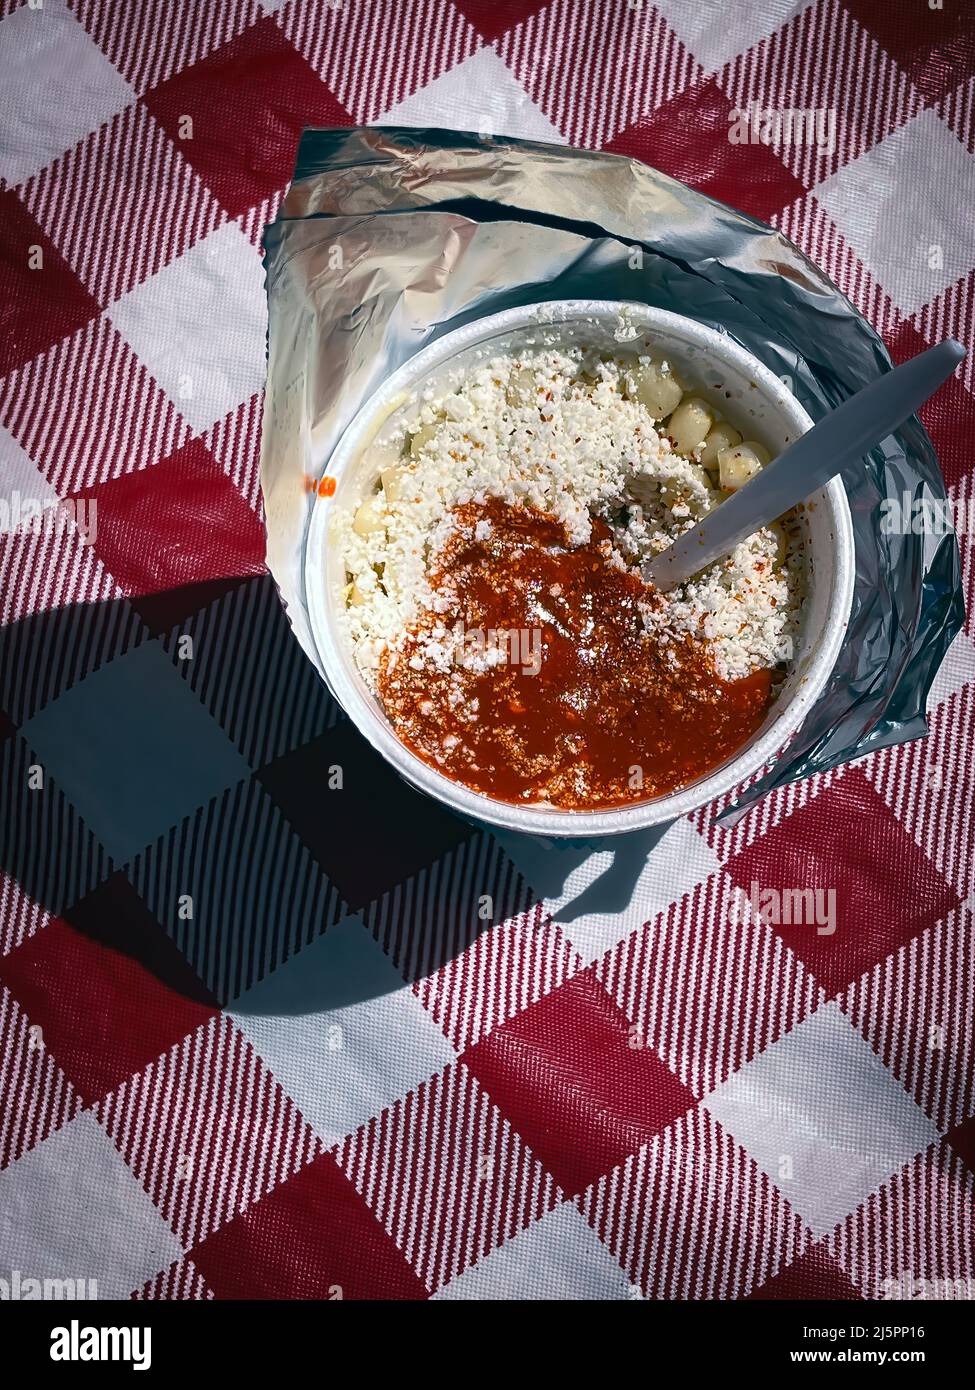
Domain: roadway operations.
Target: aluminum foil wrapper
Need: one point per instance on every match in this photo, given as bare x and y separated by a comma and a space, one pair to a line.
390, 237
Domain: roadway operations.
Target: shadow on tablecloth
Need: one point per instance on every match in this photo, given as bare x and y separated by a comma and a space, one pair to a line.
179, 787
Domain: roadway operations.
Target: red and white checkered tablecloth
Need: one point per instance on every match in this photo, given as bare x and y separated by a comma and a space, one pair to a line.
260, 1036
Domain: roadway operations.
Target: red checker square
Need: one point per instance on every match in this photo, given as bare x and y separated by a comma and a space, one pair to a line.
165, 611
564, 1075
493, 18
248, 101
179, 523
107, 987
962, 1140
373, 832
815, 1275
847, 841
933, 45
949, 418
687, 137
312, 1238
38, 307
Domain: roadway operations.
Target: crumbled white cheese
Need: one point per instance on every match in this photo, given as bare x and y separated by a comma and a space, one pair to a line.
576, 447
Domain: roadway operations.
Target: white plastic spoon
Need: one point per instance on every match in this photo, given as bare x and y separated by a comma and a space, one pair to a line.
841, 437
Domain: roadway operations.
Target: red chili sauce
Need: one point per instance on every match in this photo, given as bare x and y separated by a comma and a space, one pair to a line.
587, 709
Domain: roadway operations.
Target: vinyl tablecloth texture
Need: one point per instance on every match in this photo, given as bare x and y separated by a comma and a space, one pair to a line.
271, 1023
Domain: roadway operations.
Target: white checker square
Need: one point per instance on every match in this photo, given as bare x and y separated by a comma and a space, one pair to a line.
340, 1031
707, 30
56, 87
905, 207
599, 896
199, 325
72, 1209
559, 1257
822, 1117
479, 94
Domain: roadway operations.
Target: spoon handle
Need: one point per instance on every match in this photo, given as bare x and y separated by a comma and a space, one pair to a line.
839, 438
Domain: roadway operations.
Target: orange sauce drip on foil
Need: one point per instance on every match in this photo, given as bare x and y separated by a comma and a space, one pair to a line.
587, 710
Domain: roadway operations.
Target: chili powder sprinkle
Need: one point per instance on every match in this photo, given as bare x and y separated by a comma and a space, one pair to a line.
587, 709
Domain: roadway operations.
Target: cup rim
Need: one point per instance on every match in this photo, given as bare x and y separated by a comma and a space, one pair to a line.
351, 693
